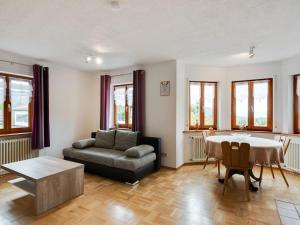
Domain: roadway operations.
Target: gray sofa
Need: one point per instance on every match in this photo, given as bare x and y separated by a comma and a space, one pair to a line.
122, 155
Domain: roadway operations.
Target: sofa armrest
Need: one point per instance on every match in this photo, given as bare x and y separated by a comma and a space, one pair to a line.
139, 151
84, 143
156, 143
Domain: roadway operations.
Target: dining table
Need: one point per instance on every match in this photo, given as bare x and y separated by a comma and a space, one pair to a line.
263, 151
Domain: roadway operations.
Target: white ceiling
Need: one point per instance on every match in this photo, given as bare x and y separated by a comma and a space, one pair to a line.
211, 32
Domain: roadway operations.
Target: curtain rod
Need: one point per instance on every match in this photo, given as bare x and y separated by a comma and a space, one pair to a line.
12, 62
122, 74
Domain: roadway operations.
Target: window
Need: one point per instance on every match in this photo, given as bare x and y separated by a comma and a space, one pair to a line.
15, 104
297, 104
252, 104
203, 105
123, 106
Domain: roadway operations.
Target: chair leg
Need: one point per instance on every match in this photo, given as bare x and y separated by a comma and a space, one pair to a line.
287, 184
261, 173
218, 168
206, 160
247, 180
226, 180
272, 171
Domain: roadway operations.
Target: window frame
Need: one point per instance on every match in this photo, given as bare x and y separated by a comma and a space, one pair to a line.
202, 116
251, 126
296, 111
127, 125
7, 129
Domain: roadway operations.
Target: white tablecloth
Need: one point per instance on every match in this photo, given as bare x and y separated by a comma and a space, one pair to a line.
261, 150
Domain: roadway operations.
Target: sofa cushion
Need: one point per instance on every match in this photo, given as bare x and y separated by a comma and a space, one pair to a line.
84, 143
139, 151
125, 140
105, 139
133, 164
96, 155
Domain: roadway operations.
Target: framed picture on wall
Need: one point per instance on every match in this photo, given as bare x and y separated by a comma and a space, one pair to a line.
165, 88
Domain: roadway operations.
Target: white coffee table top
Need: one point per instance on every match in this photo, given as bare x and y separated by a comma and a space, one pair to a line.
41, 167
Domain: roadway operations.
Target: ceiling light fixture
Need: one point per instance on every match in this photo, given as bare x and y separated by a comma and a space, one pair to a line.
251, 52
115, 5
98, 60
88, 59
94, 59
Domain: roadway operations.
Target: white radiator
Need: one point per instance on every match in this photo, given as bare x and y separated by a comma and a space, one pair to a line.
292, 157
198, 147
16, 149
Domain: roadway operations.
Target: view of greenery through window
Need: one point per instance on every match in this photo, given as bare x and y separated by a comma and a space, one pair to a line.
259, 109
208, 104
123, 104
209, 95
1, 116
195, 103
19, 114
260, 89
241, 104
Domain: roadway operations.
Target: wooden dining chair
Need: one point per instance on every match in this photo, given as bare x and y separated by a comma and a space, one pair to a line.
205, 135
285, 145
236, 157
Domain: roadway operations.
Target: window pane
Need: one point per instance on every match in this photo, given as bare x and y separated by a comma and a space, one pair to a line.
241, 104
2, 100
19, 115
194, 103
298, 112
20, 97
209, 95
1, 115
119, 97
260, 94
129, 102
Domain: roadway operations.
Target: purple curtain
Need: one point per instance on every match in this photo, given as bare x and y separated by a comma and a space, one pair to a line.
40, 123
138, 111
104, 102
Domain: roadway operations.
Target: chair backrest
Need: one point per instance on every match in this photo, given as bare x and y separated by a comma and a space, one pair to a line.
236, 155
277, 137
280, 138
285, 144
205, 135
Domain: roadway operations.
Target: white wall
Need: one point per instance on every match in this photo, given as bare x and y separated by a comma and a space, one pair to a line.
160, 118
74, 106
161, 110
73, 101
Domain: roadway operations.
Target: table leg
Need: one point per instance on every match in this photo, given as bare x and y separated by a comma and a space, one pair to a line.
253, 176
57, 189
252, 188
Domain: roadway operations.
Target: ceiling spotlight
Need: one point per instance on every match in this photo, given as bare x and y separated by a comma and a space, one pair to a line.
98, 60
88, 59
115, 5
251, 52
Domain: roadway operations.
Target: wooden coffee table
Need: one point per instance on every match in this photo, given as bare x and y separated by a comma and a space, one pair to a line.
51, 181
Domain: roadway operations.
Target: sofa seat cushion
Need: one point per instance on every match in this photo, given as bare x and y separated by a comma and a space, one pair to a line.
133, 164
101, 156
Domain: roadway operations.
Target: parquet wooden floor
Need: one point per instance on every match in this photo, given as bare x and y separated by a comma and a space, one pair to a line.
189, 195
